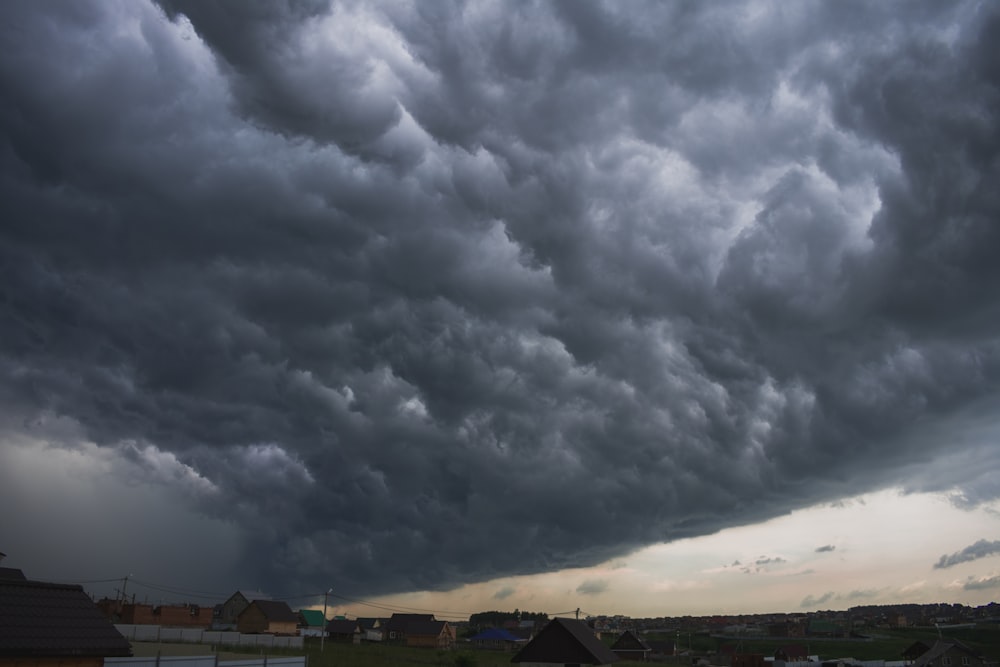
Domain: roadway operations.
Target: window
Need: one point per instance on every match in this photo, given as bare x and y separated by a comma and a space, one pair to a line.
946, 661
965, 660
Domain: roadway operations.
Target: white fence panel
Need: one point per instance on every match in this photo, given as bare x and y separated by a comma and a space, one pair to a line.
170, 634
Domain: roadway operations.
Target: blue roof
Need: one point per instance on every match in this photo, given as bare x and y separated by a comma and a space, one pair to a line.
497, 634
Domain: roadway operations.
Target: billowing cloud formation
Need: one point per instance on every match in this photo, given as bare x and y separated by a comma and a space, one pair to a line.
980, 549
984, 583
592, 587
422, 294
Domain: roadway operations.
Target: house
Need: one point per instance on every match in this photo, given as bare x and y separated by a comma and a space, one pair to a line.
498, 639
630, 646
234, 606
342, 630
44, 624
371, 629
396, 627
268, 617
950, 653
915, 650
565, 641
311, 622
430, 634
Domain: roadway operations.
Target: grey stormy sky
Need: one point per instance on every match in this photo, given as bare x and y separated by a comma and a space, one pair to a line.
401, 296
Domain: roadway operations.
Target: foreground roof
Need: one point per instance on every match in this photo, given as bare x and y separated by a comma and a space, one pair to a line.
565, 640
40, 619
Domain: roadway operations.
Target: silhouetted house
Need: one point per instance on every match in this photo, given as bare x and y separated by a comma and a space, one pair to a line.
498, 639
916, 649
565, 641
268, 617
950, 653
234, 606
395, 629
46, 625
371, 629
311, 622
430, 634
630, 646
343, 631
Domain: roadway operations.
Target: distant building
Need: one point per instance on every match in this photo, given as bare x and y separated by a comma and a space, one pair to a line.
234, 606
311, 622
343, 630
630, 646
268, 617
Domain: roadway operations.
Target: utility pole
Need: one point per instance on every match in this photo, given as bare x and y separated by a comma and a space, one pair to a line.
578, 613
322, 634
124, 584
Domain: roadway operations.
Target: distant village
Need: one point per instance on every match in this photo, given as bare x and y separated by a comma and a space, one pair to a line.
43, 624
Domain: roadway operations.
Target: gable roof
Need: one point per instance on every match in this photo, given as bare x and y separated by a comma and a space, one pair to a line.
565, 640
941, 647
400, 622
249, 596
341, 626
40, 619
311, 618
369, 623
629, 641
274, 611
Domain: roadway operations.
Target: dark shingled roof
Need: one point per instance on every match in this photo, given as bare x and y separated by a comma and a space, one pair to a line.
274, 610
39, 619
565, 640
341, 626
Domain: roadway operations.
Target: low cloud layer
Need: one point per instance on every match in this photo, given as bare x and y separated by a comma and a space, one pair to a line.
424, 294
980, 549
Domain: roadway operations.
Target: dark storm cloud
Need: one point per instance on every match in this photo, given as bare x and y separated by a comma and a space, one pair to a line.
825, 548
416, 295
980, 549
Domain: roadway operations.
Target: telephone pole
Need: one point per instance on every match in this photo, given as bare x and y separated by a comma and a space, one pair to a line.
322, 634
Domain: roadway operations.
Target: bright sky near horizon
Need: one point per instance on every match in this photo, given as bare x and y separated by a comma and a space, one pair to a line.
641, 308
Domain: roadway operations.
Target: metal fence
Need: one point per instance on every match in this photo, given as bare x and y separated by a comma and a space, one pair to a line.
157, 633
207, 661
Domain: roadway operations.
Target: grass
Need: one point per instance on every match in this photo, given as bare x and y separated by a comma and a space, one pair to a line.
886, 645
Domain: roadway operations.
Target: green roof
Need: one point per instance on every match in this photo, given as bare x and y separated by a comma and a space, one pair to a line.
313, 617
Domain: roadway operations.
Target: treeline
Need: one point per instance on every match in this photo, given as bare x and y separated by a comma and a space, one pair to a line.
486, 619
